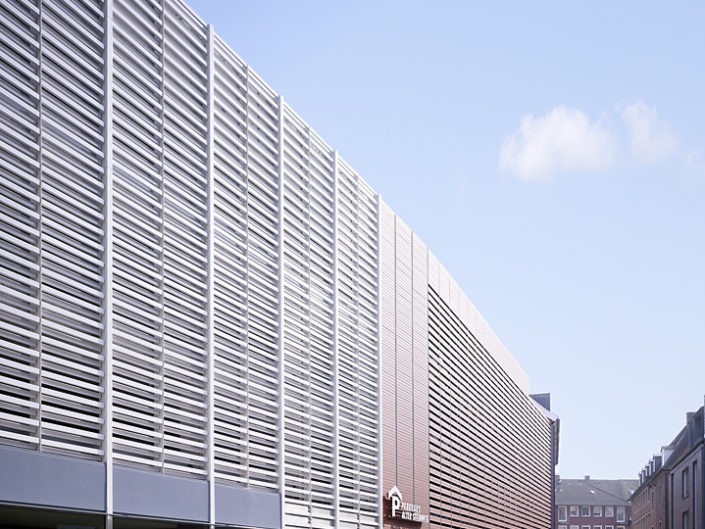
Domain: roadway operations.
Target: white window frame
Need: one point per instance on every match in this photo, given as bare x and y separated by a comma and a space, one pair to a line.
609, 511
574, 509
597, 511
563, 510
623, 512
583, 509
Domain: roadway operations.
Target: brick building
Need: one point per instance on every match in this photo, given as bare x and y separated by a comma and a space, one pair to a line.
671, 485
649, 501
593, 503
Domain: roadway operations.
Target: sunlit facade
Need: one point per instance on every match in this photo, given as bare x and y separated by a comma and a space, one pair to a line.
200, 302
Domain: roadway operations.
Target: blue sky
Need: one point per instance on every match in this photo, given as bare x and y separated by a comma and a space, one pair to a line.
552, 155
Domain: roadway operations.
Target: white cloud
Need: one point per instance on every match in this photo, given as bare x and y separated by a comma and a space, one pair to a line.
650, 138
563, 141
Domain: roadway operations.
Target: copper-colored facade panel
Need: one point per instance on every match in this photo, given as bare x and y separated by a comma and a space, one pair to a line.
492, 460
462, 440
404, 378
421, 495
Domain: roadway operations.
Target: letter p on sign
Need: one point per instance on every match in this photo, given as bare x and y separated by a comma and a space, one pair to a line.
396, 505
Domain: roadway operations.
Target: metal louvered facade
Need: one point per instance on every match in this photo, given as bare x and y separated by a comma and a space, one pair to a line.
195, 306
462, 438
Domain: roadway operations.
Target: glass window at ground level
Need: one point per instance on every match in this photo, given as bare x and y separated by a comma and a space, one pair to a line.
620, 514
585, 510
597, 510
562, 513
574, 510
686, 521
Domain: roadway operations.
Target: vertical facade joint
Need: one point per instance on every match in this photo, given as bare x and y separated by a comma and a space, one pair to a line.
210, 276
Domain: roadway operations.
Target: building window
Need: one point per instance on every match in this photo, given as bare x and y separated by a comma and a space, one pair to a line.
609, 526
695, 492
620, 514
562, 527
620, 527
684, 481
562, 513
574, 510
609, 511
586, 527
585, 510
686, 521
574, 527
597, 511
596, 527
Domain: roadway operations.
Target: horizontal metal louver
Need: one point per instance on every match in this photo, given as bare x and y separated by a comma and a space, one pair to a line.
279, 299
358, 376
246, 275
72, 228
309, 326
20, 224
138, 288
185, 225
489, 461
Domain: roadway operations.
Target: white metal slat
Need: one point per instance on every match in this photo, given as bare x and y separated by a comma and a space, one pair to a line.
144, 298
19, 241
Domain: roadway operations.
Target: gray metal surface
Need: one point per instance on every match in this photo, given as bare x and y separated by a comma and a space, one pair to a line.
150, 494
252, 508
51, 481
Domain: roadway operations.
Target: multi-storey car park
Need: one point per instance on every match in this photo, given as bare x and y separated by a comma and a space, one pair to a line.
208, 318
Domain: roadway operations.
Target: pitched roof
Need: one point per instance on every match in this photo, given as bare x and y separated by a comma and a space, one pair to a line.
595, 491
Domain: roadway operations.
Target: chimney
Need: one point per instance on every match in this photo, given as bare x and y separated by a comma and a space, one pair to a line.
587, 477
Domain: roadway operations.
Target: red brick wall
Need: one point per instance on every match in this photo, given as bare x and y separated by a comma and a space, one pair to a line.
649, 506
